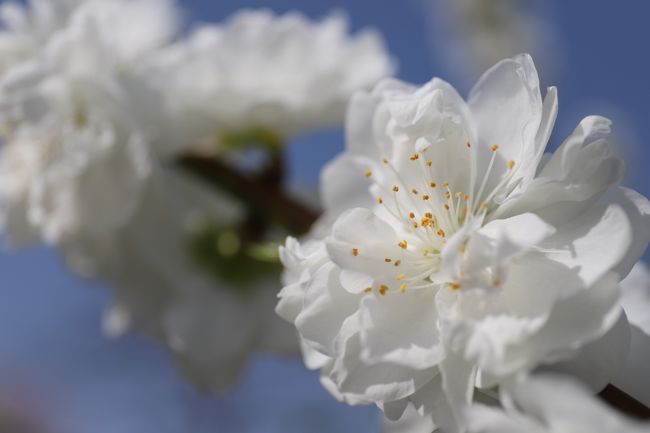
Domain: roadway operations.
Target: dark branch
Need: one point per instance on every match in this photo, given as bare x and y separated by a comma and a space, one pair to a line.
260, 194
624, 402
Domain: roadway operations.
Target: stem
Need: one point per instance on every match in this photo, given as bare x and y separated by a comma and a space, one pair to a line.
262, 195
624, 402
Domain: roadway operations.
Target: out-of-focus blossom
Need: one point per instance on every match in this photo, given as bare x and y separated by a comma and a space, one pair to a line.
259, 73
96, 98
472, 35
479, 257
549, 404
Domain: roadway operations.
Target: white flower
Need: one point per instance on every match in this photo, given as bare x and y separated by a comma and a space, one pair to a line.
211, 326
549, 404
480, 256
281, 74
59, 181
74, 163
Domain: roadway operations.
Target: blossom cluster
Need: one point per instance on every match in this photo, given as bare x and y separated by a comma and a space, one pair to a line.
456, 256
99, 98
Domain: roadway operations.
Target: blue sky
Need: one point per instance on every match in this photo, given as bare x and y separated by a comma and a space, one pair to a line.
51, 348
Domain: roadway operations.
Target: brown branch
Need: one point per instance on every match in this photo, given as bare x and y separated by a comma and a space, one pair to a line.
624, 402
261, 195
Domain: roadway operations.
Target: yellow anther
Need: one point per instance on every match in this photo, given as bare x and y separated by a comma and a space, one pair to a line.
494, 147
433, 185
484, 205
458, 194
380, 200
383, 289
511, 164
496, 282
385, 161
400, 277
402, 287
425, 197
395, 188
425, 253
415, 156
388, 260
447, 195
445, 184
414, 191
355, 251
411, 215
398, 262
368, 173
367, 289
468, 144
466, 197
454, 286
446, 206
415, 225
429, 162
441, 233
402, 244
428, 215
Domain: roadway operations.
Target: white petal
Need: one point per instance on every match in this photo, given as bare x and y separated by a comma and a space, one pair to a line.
380, 382
599, 361
592, 244
326, 305
637, 209
506, 106
401, 328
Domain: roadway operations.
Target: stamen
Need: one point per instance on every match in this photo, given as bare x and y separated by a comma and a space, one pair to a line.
511, 164
454, 285
415, 156
398, 262
425, 197
385, 161
395, 188
402, 287
414, 191
433, 185
429, 162
468, 144
402, 244
367, 289
388, 260
383, 289
494, 147
411, 215
368, 173
400, 277
355, 251
380, 200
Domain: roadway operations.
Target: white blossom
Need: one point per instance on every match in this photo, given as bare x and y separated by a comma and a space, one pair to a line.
549, 404
480, 256
283, 74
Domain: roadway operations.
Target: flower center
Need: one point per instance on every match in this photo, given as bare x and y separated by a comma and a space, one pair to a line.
429, 210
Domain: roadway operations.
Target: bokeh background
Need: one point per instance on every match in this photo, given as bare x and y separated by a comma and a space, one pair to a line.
59, 371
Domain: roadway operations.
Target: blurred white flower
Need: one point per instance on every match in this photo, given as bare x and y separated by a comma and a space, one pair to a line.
549, 404
281, 75
479, 257
212, 326
472, 35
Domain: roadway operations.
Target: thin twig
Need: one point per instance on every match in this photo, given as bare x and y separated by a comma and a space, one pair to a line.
262, 196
